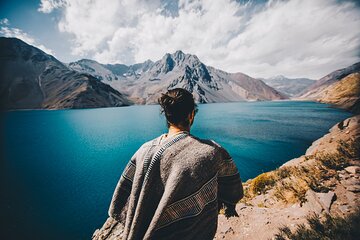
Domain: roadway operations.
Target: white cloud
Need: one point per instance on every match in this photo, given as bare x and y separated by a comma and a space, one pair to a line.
4, 21
18, 33
47, 6
296, 38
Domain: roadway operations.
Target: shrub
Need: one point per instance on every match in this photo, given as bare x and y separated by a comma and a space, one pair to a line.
292, 190
284, 172
262, 183
349, 149
336, 161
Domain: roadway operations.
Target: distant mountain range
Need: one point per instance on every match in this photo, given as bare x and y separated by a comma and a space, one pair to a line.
289, 86
32, 79
144, 82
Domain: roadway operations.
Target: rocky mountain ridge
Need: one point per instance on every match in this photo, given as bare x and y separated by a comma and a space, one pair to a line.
178, 69
32, 79
109, 72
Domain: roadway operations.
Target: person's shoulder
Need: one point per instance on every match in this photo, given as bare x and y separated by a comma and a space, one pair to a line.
145, 146
202, 141
212, 144
224, 153
151, 142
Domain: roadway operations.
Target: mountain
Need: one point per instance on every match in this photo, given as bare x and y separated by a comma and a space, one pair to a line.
345, 93
109, 72
315, 90
32, 79
340, 88
147, 80
289, 86
94, 68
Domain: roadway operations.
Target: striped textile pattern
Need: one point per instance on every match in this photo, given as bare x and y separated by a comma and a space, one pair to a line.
147, 156
158, 154
191, 205
129, 172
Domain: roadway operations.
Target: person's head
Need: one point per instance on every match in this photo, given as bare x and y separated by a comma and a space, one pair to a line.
179, 107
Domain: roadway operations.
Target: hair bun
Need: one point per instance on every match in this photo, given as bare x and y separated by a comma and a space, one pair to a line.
166, 101
177, 104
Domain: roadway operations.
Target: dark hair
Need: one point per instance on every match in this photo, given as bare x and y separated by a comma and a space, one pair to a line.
177, 104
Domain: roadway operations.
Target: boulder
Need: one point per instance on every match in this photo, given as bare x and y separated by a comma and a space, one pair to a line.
353, 169
319, 202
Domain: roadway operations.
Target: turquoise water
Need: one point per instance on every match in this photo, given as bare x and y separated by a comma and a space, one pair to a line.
59, 168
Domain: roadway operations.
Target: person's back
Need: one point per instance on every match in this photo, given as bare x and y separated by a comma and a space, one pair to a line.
173, 185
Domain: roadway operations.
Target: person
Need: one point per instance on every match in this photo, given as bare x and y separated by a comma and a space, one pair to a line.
173, 185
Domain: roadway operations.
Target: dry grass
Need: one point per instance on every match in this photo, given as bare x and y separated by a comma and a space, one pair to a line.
263, 182
327, 227
291, 190
336, 161
290, 183
350, 149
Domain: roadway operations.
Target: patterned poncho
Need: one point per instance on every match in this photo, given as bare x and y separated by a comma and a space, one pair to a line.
171, 189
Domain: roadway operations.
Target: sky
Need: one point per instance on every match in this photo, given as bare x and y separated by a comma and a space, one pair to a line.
295, 38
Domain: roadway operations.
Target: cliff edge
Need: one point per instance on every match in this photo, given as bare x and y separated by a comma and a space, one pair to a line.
323, 182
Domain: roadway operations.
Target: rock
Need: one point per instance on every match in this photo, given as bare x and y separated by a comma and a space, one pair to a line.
353, 169
344, 208
111, 230
229, 230
312, 204
343, 175
318, 202
351, 184
323, 144
326, 199
294, 162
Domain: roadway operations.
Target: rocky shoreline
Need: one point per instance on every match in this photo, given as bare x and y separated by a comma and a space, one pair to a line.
326, 180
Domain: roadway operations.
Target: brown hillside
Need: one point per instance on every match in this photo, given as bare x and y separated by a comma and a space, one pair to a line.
344, 94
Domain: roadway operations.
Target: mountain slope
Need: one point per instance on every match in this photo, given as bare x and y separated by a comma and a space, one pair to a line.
345, 93
340, 88
109, 72
32, 79
207, 84
94, 68
290, 86
315, 90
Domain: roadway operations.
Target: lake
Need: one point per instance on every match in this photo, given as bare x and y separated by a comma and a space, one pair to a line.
59, 168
